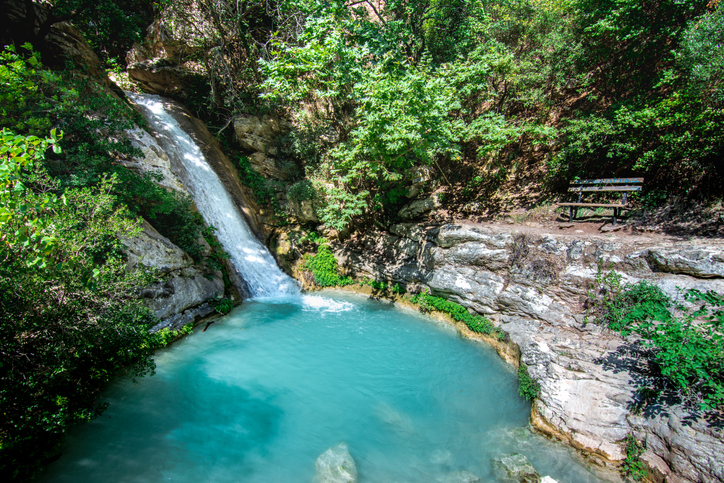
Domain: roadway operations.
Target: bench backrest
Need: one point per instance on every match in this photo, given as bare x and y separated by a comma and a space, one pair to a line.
606, 184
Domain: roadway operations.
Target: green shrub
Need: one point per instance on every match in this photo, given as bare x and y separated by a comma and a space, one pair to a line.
633, 466
301, 191
223, 305
165, 336
476, 323
258, 184
687, 346
325, 269
527, 386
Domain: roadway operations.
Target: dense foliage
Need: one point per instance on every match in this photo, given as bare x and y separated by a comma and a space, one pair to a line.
71, 315
325, 269
34, 99
527, 386
71, 318
687, 346
476, 323
477, 89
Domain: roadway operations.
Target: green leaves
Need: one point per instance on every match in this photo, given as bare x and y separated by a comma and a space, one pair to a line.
528, 388
476, 323
324, 268
688, 345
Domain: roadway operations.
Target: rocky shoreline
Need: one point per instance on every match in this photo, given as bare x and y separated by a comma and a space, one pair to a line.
533, 286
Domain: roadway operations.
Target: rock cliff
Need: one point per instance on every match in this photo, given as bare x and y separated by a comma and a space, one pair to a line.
184, 291
533, 285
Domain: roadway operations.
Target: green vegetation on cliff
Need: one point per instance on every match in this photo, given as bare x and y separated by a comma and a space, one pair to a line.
71, 317
685, 345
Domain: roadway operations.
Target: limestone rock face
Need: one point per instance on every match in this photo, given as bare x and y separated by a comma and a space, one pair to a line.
65, 39
419, 207
182, 290
697, 262
271, 167
534, 288
154, 160
157, 76
336, 465
162, 64
151, 249
182, 294
259, 133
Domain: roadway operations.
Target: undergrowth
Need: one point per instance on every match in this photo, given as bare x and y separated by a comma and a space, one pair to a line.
687, 345
527, 386
165, 336
633, 466
325, 269
476, 323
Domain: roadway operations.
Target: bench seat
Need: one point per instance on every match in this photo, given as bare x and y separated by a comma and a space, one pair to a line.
604, 185
595, 205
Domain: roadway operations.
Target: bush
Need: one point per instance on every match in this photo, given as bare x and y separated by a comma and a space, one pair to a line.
223, 306
325, 269
527, 386
633, 466
687, 346
476, 323
165, 336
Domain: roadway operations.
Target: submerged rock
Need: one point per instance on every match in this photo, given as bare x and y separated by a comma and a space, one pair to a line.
336, 465
516, 467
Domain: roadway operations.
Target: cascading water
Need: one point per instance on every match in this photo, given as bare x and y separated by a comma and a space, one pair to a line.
251, 259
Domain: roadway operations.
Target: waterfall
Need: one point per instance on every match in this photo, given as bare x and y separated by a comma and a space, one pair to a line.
248, 255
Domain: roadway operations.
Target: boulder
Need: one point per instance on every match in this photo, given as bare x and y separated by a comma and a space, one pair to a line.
703, 262
259, 133
516, 468
419, 207
336, 465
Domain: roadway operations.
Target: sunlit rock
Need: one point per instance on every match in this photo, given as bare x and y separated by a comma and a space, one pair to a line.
336, 465
516, 468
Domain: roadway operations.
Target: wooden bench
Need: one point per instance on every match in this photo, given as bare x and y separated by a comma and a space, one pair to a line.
607, 185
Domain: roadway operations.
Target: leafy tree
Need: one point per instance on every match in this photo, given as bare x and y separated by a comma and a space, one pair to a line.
70, 318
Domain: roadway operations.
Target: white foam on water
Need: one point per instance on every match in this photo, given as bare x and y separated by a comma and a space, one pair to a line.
324, 304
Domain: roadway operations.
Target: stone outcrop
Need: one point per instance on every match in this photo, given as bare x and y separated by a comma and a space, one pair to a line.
165, 63
336, 465
419, 207
154, 160
157, 76
183, 293
515, 468
534, 287
260, 135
